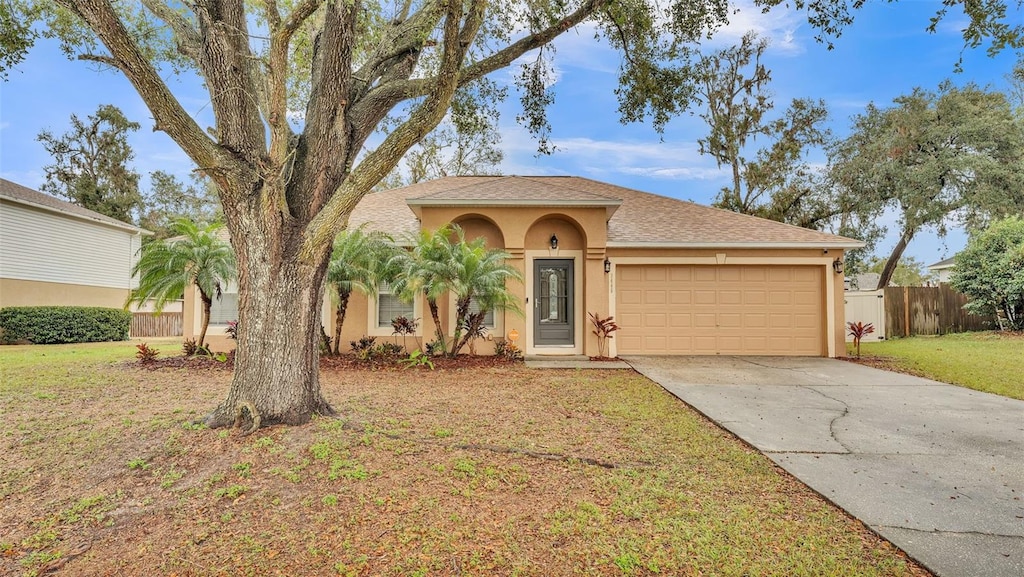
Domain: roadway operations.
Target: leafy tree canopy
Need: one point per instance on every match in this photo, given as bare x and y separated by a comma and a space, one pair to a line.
990, 270
171, 200
91, 164
735, 101
936, 158
909, 271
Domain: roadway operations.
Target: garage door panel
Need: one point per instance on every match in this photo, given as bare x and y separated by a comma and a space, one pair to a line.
655, 274
775, 310
655, 297
730, 297
680, 320
680, 274
631, 297
705, 297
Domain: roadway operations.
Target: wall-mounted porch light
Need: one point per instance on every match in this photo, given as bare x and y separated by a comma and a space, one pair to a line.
837, 265
554, 242
607, 266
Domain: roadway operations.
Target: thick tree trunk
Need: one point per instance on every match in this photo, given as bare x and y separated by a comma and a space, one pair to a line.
277, 361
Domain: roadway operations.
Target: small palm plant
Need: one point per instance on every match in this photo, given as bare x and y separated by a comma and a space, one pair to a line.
858, 330
197, 256
603, 328
359, 263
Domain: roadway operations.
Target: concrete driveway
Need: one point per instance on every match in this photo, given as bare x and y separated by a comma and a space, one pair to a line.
936, 469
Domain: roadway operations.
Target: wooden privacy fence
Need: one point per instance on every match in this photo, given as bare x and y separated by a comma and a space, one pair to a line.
934, 310
161, 325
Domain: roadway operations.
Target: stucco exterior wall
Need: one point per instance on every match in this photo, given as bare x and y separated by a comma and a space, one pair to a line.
27, 293
525, 233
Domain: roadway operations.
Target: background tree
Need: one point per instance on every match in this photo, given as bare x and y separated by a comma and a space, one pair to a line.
170, 200
909, 271
360, 262
466, 143
732, 90
990, 271
936, 158
197, 257
91, 164
296, 103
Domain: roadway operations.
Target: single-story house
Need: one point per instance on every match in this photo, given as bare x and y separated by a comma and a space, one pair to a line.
944, 268
56, 253
679, 278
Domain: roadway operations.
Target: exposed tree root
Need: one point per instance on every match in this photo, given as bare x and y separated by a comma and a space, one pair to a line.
254, 418
349, 425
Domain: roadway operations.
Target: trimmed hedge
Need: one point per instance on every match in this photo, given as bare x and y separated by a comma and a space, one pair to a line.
54, 325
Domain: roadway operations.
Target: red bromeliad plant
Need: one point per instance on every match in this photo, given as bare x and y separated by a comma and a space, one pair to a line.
857, 331
603, 328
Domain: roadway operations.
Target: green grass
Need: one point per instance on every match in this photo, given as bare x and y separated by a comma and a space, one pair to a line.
983, 361
428, 473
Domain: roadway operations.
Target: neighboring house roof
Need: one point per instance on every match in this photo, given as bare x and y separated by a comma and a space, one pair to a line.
942, 264
867, 281
23, 195
636, 218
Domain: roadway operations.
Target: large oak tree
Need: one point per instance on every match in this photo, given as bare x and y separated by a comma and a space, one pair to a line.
344, 67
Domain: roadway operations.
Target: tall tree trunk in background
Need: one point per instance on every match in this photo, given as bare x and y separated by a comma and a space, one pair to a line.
894, 258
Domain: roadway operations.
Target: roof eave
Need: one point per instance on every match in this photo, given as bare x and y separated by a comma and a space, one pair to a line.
439, 202
120, 225
746, 244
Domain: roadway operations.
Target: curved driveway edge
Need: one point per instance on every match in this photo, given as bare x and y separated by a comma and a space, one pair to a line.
936, 469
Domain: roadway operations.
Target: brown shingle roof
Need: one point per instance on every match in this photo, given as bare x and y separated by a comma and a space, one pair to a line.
642, 219
24, 195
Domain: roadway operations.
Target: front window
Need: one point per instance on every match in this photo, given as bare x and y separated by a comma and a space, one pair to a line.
389, 306
224, 309
474, 308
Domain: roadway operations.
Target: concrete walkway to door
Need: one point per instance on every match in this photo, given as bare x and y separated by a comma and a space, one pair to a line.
936, 469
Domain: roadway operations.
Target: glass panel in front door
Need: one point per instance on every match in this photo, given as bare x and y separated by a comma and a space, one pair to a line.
553, 298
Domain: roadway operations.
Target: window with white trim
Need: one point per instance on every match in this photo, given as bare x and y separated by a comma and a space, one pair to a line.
389, 306
223, 309
474, 308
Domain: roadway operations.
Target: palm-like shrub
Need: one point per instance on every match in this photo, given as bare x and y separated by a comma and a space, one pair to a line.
360, 262
197, 257
444, 262
425, 268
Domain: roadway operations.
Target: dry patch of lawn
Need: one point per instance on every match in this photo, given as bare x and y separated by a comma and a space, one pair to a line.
497, 470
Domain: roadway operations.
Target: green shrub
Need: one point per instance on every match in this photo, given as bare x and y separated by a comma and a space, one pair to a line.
54, 325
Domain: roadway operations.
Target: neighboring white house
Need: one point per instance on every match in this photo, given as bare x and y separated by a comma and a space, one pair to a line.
944, 268
56, 253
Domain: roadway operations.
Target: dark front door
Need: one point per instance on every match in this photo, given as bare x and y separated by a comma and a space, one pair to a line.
553, 302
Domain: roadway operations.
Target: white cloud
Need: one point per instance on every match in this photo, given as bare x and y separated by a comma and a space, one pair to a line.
604, 159
4, 125
779, 25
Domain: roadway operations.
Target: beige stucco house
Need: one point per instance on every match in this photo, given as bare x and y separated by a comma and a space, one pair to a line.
679, 278
56, 253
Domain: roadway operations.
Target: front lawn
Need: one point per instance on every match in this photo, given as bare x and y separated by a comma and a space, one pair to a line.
497, 470
985, 361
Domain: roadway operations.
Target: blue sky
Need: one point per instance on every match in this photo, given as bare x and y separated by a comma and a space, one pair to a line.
884, 54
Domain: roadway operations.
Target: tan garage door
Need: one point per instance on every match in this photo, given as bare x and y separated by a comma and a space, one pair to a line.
710, 310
